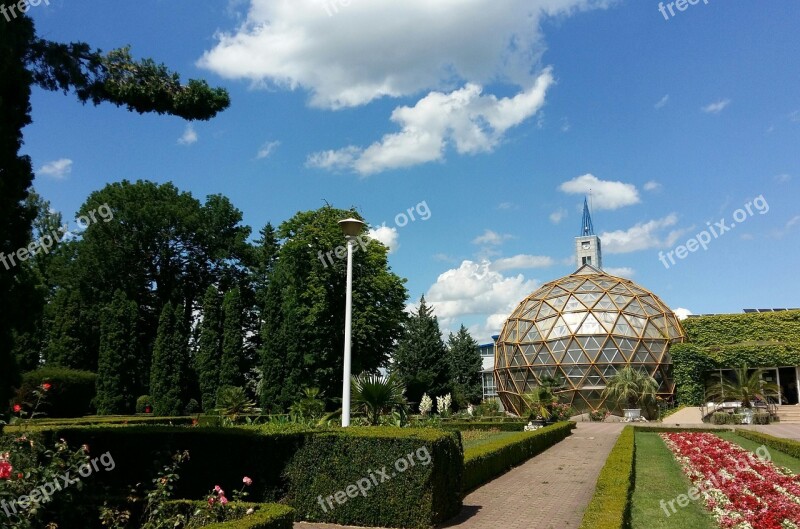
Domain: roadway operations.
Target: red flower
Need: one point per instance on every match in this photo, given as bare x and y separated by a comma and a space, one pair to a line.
46, 386
5, 469
17, 408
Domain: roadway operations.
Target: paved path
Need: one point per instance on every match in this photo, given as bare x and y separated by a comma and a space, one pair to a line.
550, 491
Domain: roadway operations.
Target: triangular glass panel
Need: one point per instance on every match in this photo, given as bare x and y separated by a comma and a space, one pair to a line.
622, 328
559, 329
558, 302
573, 305
546, 311
590, 326
545, 326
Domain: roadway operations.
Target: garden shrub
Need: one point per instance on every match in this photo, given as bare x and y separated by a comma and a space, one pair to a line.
727, 329
610, 506
332, 464
787, 446
70, 394
265, 515
143, 402
487, 461
504, 426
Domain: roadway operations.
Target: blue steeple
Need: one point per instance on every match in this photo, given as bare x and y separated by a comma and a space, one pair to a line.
586, 223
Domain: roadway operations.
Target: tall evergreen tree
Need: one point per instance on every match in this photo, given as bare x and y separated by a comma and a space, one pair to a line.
466, 364
421, 360
169, 373
65, 345
117, 363
233, 366
209, 351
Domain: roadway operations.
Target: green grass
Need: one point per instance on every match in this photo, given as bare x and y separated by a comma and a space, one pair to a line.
476, 438
778, 458
659, 477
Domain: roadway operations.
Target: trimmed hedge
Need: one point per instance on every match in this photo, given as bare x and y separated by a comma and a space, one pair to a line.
787, 446
726, 329
110, 420
504, 426
326, 472
266, 515
611, 504
71, 393
490, 460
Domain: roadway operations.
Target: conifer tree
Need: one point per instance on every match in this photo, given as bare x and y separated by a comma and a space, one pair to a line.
209, 351
466, 364
232, 366
117, 363
169, 373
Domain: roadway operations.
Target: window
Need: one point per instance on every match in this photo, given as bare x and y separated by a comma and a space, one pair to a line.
489, 387
587, 260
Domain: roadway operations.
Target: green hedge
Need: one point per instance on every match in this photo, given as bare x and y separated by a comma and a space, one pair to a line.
108, 419
325, 474
728, 329
70, 395
691, 366
787, 446
610, 506
505, 426
266, 515
487, 461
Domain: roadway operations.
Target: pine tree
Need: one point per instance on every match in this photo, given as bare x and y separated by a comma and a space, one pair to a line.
421, 359
169, 373
232, 365
466, 364
65, 345
209, 352
117, 364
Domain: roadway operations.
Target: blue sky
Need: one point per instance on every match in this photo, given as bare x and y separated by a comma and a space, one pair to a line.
498, 116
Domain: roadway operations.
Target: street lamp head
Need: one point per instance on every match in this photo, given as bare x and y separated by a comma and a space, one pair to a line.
351, 227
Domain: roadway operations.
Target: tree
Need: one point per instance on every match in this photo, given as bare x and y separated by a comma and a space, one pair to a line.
117, 363
746, 387
209, 351
466, 365
632, 388
169, 372
421, 359
232, 366
303, 333
65, 346
116, 77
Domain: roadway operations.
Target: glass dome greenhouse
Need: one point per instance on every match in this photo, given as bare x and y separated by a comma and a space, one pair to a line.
580, 330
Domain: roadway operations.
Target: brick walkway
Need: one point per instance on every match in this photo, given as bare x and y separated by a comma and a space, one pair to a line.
550, 491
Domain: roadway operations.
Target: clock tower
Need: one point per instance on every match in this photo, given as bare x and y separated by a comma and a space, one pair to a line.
587, 244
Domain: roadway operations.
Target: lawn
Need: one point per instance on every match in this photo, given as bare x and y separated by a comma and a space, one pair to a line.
778, 458
475, 438
658, 477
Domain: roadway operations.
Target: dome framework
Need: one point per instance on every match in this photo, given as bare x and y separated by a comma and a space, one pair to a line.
582, 329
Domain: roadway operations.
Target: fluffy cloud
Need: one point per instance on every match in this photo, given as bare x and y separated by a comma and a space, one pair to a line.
386, 235
662, 102
558, 215
414, 45
717, 107
642, 236
476, 289
267, 149
605, 194
652, 185
682, 313
465, 119
522, 261
491, 238
625, 271
189, 136
58, 169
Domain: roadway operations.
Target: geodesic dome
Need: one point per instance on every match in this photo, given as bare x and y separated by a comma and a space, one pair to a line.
582, 329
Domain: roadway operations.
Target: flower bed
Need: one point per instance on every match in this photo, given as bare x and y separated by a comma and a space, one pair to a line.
741, 490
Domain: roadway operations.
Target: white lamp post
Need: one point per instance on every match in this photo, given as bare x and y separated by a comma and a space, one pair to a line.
352, 229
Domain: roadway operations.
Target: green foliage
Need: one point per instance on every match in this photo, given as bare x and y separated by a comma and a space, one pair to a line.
375, 395
209, 350
421, 359
232, 365
311, 406
747, 387
70, 394
421, 496
538, 403
117, 363
610, 505
466, 364
691, 367
233, 401
304, 308
66, 344
143, 402
264, 516
729, 329
169, 373
631, 387
720, 418
787, 446
461, 426
489, 460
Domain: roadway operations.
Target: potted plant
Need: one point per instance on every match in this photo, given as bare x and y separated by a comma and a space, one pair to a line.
746, 387
632, 388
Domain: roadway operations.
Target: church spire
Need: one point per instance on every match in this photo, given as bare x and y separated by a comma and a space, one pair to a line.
586, 224
587, 244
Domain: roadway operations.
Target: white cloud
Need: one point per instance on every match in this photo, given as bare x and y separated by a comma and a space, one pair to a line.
783, 178
662, 102
717, 107
642, 236
298, 45
491, 238
465, 119
58, 169
522, 261
267, 149
386, 235
475, 289
652, 185
625, 271
189, 136
558, 215
507, 205
682, 313
605, 194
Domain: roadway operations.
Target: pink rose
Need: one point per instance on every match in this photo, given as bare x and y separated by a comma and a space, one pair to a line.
247, 481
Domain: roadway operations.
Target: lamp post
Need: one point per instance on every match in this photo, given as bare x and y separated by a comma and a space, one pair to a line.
351, 228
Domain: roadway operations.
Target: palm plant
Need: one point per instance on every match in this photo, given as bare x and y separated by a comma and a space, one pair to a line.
746, 387
376, 395
537, 402
631, 387
233, 401
311, 406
